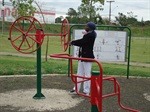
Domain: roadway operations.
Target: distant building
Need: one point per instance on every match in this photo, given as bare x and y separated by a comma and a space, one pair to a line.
48, 13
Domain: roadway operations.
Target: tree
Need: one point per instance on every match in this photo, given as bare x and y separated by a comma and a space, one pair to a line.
87, 11
127, 20
147, 23
23, 7
72, 13
122, 19
99, 19
131, 18
83, 11
132, 21
88, 7
58, 20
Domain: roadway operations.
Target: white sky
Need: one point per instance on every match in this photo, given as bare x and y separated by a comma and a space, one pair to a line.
140, 8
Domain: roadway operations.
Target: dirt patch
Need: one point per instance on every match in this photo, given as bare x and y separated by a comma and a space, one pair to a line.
134, 94
147, 96
55, 100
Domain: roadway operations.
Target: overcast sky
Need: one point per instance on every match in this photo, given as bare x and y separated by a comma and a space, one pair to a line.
140, 8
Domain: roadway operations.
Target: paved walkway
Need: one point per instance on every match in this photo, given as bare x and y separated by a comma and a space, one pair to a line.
33, 55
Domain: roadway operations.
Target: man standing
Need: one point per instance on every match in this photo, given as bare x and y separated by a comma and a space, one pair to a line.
85, 45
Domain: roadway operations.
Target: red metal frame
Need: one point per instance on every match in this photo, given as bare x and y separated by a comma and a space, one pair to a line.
28, 38
65, 27
74, 76
117, 92
25, 36
96, 83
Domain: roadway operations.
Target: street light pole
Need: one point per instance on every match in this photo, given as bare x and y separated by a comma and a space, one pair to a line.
110, 1
97, 20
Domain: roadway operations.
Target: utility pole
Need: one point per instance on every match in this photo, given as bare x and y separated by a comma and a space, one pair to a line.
3, 8
110, 1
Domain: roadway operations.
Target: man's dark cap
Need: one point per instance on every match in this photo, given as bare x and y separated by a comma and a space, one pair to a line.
91, 25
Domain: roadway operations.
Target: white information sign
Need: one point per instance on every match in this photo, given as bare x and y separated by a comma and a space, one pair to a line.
109, 45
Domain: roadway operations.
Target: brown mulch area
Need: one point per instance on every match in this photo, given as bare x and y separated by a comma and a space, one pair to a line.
132, 91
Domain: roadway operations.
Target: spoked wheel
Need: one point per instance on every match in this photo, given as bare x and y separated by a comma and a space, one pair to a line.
65, 36
23, 34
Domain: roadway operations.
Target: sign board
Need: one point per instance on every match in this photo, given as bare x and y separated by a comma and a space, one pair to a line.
109, 45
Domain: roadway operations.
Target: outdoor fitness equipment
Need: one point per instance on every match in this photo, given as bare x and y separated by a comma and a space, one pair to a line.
27, 35
23, 34
97, 79
25, 40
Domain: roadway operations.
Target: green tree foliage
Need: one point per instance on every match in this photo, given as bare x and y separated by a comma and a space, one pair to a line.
99, 19
23, 7
122, 19
72, 13
91, 2
88, 8
129, 20
147, 23
59, 19
72, 16
87, 11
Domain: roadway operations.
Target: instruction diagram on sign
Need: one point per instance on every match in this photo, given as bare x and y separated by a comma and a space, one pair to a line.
109, 45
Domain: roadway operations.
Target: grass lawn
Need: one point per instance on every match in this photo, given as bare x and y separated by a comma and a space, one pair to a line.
22, 65
140, 52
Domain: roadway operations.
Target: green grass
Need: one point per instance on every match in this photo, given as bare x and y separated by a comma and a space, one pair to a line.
121, 70
140, 51
140, 31
49, 28
54, 45
15, 65
55, 28
9, 65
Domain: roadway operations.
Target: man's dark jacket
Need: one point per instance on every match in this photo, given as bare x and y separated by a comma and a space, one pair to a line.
86, 45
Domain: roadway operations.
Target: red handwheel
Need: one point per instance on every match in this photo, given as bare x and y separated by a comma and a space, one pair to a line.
23, 34
65, 34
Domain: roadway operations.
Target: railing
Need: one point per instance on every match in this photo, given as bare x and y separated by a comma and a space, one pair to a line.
97, 98
96, 83
117, 92
74, 76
